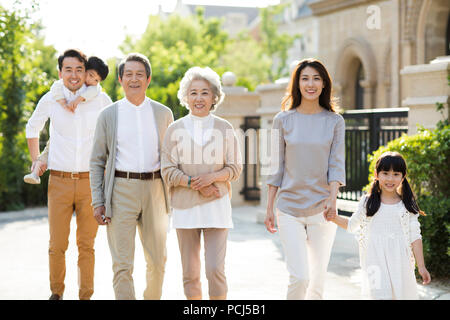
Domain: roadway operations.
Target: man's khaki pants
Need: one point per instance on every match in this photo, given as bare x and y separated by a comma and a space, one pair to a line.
141, 204
66, 195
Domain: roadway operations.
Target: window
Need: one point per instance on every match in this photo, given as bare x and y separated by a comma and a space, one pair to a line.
359, 90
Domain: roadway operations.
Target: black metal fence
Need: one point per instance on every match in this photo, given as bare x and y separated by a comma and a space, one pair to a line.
367, 130
251, 169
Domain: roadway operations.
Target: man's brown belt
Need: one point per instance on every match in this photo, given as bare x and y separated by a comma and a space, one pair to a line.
71, 175
137, 175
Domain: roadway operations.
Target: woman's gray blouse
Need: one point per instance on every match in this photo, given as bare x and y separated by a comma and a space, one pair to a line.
311, 154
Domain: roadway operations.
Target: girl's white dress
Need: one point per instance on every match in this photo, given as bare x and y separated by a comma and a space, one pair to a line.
386, 256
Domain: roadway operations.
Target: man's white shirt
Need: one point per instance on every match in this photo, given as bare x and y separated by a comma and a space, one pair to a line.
137, 137
71, 134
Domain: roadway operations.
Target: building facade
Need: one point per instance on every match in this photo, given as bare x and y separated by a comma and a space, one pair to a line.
235, 19
380, 54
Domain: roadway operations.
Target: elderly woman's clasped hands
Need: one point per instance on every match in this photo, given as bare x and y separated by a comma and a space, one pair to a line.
204, 184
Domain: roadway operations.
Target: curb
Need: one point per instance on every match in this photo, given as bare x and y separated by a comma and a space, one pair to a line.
30, 213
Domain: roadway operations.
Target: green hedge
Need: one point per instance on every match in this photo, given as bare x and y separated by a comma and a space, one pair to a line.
428, 158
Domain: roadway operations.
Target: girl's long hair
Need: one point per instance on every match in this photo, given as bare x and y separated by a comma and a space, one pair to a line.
386, 162
293, 97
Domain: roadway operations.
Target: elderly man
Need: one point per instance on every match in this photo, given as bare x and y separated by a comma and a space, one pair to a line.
127, 189
68, 160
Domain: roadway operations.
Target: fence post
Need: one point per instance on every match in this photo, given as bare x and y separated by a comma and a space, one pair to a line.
374, 128
368, 139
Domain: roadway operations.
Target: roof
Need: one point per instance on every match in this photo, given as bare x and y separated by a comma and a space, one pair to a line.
220, 11
304, 10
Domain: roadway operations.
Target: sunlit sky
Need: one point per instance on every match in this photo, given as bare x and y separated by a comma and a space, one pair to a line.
98, 27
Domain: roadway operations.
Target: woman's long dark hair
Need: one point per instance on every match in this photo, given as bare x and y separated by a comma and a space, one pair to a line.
386, 162
293, 97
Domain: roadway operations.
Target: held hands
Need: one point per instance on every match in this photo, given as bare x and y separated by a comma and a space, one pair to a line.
99, 215
65, 105
330, 212
71, 106
74, 104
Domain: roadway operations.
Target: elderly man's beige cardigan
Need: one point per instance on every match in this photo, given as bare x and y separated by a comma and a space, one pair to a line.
103, 156
182, 156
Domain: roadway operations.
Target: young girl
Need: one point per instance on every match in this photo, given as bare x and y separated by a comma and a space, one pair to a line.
388, 233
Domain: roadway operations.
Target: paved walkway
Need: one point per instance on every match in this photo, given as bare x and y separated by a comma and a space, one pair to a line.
255, 268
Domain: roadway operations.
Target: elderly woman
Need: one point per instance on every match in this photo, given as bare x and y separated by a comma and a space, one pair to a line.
200, 156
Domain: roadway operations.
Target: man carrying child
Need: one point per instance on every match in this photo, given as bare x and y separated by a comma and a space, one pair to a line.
71, 133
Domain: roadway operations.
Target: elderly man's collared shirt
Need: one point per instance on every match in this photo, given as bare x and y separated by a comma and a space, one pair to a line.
71, 134
137, 138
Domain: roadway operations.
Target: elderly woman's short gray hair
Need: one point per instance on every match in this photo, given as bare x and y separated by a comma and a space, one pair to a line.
206, 74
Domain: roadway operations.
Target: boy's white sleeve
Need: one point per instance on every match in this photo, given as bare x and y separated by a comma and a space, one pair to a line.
91, 92
414, 228
355, 220
57, 91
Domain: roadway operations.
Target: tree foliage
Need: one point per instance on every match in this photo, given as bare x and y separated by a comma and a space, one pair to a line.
111, 84
174, 44
25, 71
246, 58
275, 44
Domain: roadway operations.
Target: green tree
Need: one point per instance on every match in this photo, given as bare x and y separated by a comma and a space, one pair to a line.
175, 44
24, 73
246, 58
13, 31
275, 44
111, 84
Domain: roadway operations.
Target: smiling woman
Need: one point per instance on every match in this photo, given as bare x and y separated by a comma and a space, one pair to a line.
200, 88
200, 188
200, 98
307, 173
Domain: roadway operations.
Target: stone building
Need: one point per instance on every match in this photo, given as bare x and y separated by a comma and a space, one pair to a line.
380, 54
385, 54
370, 46
235, 19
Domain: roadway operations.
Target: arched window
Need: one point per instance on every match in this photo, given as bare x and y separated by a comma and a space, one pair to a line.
359, 90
